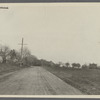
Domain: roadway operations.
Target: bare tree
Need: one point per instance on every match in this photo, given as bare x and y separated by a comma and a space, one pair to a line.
26, 52
4, 52
26, 55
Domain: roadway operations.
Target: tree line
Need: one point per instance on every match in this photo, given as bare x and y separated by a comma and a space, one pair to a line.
12, 56
84, 66
8, 55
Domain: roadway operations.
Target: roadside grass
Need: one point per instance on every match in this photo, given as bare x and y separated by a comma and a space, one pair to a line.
86, 80
8, 67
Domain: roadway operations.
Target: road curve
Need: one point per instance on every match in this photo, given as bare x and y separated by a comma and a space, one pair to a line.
35, 81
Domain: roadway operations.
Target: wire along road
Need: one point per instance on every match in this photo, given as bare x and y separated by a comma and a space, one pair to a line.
35, 81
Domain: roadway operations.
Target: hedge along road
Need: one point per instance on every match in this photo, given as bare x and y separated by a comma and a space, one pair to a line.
35, 81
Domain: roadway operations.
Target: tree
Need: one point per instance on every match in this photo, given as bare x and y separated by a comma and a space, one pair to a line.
67, 64
73, 65
46, 63
12, 54
92, 66
18, 56
26, 52
11, 58
76, 65
4, 53
32, 60
51, 63
84, 66
25, 56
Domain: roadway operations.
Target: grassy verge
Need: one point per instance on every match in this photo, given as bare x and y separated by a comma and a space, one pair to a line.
86, 80
6, 68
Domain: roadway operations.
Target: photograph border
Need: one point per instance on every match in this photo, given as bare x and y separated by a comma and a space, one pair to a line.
49, 97
46, 1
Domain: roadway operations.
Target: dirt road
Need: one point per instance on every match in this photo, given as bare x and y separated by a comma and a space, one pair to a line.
34, 81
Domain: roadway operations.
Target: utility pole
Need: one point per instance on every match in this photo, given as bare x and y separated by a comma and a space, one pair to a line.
22, 44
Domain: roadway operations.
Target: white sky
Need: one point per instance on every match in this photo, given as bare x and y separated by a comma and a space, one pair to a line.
58, 32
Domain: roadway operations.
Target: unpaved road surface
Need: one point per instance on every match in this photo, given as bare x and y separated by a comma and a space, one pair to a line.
35, 81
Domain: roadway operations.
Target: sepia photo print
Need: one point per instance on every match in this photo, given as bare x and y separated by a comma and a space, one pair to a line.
50, 49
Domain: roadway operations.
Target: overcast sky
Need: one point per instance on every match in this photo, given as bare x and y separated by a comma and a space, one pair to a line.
57, 32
